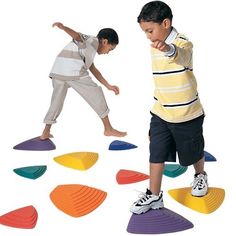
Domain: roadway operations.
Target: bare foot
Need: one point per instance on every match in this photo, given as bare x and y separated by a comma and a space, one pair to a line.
114, 132
45, 136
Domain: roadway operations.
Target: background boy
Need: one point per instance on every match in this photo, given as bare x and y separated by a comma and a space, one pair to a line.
70, 69
177, 115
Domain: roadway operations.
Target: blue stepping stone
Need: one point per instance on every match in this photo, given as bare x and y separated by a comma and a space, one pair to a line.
158, 222
121, 145
31, 172
36, 144
209, 157
174, 170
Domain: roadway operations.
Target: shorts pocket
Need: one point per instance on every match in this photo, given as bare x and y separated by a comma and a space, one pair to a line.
191, 151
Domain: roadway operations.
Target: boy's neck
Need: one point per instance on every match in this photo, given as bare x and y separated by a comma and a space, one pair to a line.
168, 33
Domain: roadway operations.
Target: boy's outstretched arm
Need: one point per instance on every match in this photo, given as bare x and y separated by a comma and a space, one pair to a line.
181, 55
97, 74
75, 35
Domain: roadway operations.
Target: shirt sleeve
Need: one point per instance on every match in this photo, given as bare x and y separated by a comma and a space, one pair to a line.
84, 37
171, 52
183, 53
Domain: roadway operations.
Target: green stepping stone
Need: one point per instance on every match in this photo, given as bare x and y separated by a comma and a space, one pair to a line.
31, 172
174, 170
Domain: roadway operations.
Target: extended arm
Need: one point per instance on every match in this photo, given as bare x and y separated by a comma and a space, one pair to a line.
183, 55
97, 74
179, 55
75, 35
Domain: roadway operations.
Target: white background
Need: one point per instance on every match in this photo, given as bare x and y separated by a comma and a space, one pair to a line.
28, 48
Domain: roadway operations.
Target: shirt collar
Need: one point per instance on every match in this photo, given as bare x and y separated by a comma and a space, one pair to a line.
171, 37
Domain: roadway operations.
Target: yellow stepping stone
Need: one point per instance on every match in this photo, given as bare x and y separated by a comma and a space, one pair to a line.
77, 160
206, 204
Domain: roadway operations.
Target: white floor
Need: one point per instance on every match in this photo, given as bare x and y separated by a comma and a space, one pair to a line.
28, 48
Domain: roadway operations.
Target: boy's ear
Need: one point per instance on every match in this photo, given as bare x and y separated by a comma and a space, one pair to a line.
166, 23
104, 41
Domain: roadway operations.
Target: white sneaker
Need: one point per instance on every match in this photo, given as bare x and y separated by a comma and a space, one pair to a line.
146, 202
199, 185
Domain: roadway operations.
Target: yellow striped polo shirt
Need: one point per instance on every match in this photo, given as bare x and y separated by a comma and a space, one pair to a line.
176, 96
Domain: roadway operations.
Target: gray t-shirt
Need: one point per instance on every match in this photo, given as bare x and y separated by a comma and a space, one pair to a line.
75, 59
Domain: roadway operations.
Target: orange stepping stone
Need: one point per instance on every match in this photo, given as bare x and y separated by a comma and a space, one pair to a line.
77, 200
130, 176
206, 204
25, 218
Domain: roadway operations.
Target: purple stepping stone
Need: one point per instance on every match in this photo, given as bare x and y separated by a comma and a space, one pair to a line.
158, 222
36, 144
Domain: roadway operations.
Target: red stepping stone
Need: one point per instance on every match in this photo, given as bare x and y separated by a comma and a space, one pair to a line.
130, 176
25, 218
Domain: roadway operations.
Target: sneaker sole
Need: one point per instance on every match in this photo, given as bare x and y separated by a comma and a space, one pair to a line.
199, 195
147, 208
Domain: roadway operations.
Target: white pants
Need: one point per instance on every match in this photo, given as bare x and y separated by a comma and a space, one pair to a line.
90, 91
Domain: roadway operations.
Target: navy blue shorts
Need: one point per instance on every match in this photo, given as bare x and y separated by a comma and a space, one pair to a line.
167, 139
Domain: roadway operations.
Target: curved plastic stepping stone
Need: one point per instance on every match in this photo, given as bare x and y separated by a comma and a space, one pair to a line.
174, 170
121, 145
77, 160
31, 172
36, 144
158, 222
25, 218
77, 200
209, 157
130, 176
206, 204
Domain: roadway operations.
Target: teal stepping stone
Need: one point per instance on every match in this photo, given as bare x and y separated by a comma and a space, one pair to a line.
31, 172
174, 170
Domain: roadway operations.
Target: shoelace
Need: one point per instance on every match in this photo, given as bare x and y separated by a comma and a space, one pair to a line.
198, 182
143, 197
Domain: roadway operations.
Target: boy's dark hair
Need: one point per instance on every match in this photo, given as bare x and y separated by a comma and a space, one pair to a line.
109, 34
155, 11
